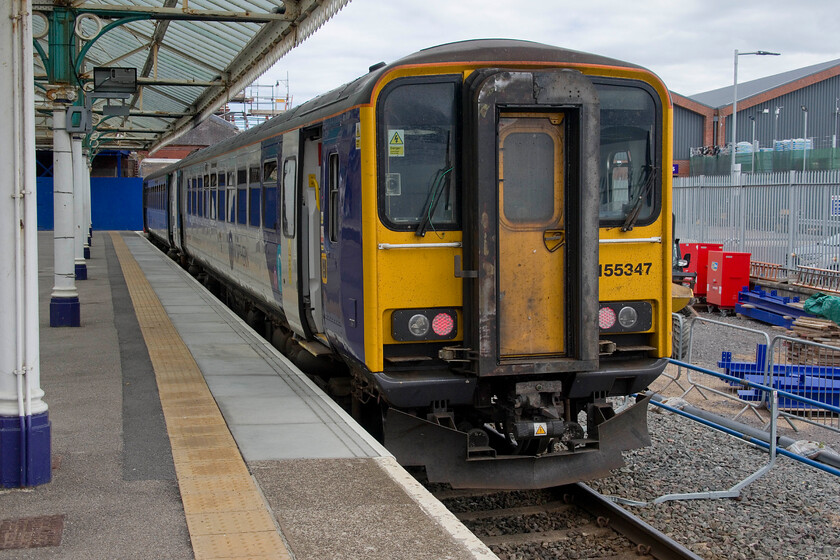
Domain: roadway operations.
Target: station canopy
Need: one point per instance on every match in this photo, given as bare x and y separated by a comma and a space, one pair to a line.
151, 70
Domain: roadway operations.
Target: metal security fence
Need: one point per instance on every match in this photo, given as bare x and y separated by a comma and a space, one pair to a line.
810, 370
789, 219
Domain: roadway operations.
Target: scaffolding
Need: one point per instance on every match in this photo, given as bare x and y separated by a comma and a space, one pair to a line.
257, 103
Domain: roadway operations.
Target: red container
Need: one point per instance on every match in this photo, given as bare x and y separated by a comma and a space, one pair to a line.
728, 273
699, 262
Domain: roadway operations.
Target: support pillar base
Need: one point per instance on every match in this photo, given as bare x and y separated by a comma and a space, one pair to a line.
87, 251
65, 312
25, 458
81, 271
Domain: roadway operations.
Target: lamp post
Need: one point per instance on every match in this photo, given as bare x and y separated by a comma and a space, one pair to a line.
805, 138
752, 153
735, 98
776, 125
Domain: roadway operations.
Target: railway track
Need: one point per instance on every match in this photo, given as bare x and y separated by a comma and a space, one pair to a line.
571, 521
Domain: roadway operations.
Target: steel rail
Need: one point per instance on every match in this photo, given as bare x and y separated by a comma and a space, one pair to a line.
648, 539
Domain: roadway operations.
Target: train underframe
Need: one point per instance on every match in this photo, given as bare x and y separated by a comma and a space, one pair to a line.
512, 432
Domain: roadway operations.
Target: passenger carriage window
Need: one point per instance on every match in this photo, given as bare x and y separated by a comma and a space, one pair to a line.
200, 197
629, 159
212, 196
205, 195
191, 195
255, 192
270, 194
221, 207
229, 205
289, 191
333, 205
242, 196
417, 147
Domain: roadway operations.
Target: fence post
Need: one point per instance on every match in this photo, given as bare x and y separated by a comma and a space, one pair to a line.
793, 213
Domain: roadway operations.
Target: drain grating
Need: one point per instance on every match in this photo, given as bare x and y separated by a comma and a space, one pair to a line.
31, 532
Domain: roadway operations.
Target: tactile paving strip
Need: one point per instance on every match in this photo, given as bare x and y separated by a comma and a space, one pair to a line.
226, 515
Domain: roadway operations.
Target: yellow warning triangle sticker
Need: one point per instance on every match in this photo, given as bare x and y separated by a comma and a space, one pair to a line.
395, 139
540, 431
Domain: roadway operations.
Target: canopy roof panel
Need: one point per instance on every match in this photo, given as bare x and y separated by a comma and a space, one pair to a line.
191, 57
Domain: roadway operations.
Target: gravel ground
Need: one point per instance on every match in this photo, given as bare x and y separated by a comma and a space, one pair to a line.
793, 511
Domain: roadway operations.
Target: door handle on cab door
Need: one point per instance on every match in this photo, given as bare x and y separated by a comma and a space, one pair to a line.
460, 272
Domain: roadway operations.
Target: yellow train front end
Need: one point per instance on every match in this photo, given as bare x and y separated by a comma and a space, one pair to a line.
516, 247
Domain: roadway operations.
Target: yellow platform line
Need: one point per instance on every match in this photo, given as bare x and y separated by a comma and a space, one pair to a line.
226, 515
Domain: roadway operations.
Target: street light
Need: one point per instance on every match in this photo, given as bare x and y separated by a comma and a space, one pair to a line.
805, 135
735, 98
776, 125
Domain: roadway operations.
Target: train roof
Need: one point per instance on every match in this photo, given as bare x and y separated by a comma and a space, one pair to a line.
359, 91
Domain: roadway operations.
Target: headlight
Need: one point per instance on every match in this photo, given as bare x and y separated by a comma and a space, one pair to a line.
418, 325
625, 316
424, 324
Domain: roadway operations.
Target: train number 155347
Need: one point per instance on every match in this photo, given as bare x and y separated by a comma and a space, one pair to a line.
624, 269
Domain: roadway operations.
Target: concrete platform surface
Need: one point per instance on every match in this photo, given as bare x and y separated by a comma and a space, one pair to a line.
332, 490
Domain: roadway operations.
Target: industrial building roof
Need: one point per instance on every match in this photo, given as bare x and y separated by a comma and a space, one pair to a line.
722, 97
190, 56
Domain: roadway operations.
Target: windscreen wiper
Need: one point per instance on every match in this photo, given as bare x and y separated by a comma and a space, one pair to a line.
439, 181
644, 190
633, 214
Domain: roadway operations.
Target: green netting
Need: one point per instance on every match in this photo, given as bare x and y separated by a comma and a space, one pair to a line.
768, 162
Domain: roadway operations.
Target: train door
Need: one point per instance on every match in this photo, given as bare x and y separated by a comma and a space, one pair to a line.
531, 222
173, 183
531, 233
311, 229
288, 247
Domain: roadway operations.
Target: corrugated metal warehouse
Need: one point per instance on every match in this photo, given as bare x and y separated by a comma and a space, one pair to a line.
795, 105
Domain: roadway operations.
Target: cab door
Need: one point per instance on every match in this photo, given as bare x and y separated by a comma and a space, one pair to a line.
531, 222
532, 234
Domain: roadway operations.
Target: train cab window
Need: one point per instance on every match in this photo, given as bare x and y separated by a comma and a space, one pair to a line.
630, 157
332, 206
289, 191
418, 178
270, 194
242, 196
254, 193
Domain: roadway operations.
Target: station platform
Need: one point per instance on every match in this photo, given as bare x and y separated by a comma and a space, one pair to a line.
178, 432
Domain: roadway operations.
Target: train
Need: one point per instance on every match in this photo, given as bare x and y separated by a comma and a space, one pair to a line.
469, 247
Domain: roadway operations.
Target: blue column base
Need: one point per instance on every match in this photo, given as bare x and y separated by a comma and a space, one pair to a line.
25, 457
81, 272
65, 312
87, 251
90, 236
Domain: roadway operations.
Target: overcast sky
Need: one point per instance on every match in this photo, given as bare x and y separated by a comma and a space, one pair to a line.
687, 43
